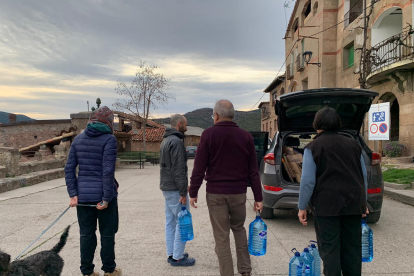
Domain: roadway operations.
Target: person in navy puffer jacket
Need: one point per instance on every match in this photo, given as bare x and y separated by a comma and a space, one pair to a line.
95, 151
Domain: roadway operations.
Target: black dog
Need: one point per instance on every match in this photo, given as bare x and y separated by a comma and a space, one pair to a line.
45, 263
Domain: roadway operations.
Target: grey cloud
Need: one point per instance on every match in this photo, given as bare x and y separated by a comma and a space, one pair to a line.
93, 39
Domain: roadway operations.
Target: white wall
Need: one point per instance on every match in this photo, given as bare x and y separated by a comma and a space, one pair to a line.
386, 27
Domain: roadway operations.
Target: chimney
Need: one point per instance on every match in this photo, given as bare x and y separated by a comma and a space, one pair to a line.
12, 118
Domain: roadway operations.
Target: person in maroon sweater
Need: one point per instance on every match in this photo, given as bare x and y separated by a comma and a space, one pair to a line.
226, 159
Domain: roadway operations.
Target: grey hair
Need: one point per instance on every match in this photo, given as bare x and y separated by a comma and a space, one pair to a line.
225, 109
176, 118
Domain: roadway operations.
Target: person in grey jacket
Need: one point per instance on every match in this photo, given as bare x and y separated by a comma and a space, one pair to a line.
174, 186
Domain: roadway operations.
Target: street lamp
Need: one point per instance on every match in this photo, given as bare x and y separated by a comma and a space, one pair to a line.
307, 55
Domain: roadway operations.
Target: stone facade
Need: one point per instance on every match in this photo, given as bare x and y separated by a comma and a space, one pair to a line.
269, 118
22, 134
150, 146
336, 49
9, 158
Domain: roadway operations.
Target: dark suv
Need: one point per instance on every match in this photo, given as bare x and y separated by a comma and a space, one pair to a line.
296, 112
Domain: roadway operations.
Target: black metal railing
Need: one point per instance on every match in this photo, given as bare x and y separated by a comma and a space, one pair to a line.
391, 50
300, 63
289, 71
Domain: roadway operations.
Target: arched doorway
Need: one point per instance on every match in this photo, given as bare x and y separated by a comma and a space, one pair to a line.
395, 115
293, 86
388, 24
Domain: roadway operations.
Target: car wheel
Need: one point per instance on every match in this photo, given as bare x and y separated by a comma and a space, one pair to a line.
267, 213
373, 217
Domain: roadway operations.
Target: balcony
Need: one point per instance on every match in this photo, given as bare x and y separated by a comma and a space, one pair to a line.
392, 54
300, 63
265, 115
289, 71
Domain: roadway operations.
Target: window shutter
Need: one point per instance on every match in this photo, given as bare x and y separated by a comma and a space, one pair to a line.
351, 56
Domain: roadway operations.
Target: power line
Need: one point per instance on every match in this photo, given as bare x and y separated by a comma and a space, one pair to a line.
373, 2
277, 72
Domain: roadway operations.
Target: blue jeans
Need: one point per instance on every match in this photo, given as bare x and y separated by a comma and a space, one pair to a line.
175, 247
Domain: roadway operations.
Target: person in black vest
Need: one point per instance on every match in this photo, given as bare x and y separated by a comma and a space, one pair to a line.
334, 182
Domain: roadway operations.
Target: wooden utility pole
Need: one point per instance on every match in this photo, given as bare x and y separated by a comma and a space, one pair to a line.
364, 49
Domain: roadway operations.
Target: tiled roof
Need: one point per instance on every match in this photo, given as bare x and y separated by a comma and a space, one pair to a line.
151, 135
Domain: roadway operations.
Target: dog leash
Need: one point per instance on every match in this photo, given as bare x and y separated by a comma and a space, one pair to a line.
53, 223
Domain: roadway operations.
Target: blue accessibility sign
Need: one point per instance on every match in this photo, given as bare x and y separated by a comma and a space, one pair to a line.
378, 116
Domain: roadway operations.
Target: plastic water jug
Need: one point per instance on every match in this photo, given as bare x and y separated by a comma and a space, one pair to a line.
186, 225
317, 259
367, 242
296, 264
308, 262
257, 237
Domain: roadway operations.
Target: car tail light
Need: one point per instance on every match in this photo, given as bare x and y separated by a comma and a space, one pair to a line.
374, 191
272, 188
376, 159
270, 159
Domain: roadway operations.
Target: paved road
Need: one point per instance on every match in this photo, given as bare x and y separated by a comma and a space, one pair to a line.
140, 247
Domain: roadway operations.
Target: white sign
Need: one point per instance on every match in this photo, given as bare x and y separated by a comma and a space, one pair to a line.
379, 122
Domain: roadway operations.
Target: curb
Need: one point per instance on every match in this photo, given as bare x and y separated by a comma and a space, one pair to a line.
404, 196
9, 184
397, 186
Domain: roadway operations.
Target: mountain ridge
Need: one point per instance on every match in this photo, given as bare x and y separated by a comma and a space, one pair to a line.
4, 118
248, 120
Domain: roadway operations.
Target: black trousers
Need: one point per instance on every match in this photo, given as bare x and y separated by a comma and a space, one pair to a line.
339, 242
108, 226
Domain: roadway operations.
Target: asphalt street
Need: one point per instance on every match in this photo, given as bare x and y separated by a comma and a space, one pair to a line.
140, 245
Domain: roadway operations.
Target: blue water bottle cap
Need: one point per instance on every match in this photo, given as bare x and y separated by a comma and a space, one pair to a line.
297, 254
313, 245
306, 249
183, 208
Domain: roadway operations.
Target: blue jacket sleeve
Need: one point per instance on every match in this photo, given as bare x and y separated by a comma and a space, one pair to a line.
70, 173
364, 173
308, 181
108, 169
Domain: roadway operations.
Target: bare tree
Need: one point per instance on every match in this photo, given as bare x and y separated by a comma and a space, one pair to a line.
146, 92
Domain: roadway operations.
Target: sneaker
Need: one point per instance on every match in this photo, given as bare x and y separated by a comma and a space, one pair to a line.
184, 262
169, 259
117, 272
93, 274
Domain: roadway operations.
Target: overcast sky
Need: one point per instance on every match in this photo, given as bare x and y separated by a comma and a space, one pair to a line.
56, 55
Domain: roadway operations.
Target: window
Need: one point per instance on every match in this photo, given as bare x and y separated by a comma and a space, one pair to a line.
274, 97
353, 9
282, 91
315, 8
305, 84
295, 27
275, 125
348, 57
307, 9
267, 126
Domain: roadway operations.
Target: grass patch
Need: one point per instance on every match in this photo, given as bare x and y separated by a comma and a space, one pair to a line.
399, 176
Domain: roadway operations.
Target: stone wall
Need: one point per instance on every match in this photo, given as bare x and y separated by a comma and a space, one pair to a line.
22, 134
9, 158
191, 141
151, 146
80, 120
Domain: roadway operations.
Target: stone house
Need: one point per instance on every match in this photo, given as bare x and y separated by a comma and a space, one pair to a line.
268, 115
331, 31
153, 137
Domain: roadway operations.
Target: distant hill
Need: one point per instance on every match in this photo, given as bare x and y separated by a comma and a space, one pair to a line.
248, 120
4, 118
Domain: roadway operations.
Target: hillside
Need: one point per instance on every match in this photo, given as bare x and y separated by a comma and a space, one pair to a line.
248, 120
4, 118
